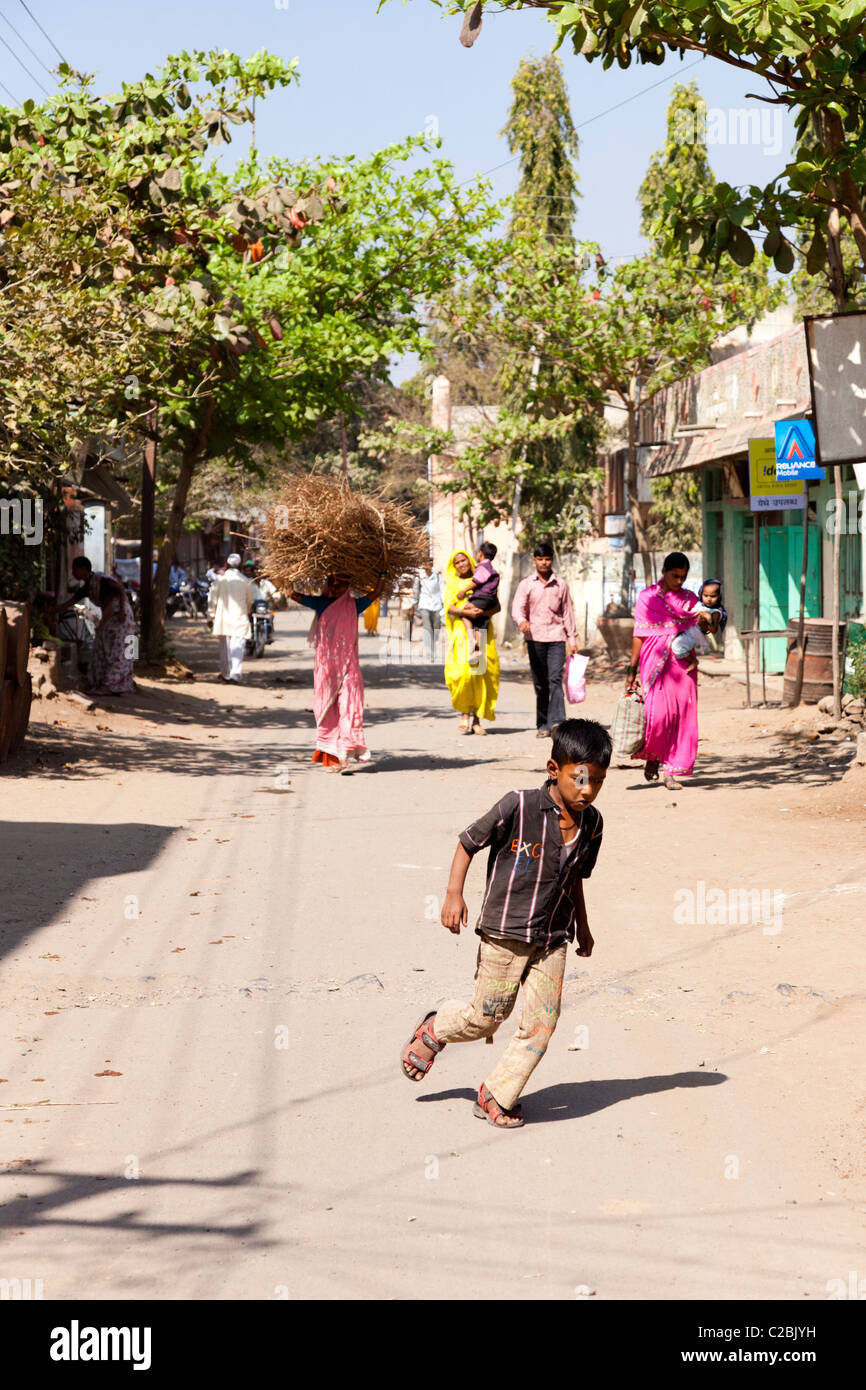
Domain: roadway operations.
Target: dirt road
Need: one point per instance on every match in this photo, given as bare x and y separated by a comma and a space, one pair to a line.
212, 954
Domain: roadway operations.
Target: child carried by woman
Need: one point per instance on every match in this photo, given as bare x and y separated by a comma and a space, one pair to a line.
482, 590
711, 608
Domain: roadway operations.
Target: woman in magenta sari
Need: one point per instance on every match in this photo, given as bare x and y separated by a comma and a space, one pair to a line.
338, 699
668, 686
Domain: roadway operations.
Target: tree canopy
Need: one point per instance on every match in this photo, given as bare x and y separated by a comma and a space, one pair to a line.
811, 58
244, 303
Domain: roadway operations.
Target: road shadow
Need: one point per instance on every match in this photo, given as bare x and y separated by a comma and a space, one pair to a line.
46, 864
422, 762
62, 1205
574, 1100
771, 770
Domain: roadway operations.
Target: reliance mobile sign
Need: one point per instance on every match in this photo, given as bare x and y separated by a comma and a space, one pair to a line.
795, 450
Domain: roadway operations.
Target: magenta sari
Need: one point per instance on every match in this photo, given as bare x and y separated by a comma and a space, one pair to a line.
670, 689
338, 699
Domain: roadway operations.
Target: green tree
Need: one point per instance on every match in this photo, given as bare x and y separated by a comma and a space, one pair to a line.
615, 335
812, 57
255, 297
682, 164
540, 130
551, 471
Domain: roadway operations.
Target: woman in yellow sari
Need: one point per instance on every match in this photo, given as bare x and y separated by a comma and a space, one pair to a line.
473, 689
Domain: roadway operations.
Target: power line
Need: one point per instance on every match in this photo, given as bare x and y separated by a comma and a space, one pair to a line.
597, 117
643, 92
9, 94
42, 31
25, 43
22, 64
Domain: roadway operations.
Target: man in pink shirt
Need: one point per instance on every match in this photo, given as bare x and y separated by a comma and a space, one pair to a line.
543, 611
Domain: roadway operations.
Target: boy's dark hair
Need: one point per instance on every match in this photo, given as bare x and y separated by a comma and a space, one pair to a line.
543, 548
488, 550
83, 562
676, 561
581, 741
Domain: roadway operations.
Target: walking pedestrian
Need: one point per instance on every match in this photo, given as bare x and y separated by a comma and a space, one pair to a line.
228, 603
543, 611
114, 644
474, 689
543, 844
669, 685
338, 701
428, 597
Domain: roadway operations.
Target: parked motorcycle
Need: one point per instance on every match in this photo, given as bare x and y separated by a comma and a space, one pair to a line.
182, 599
200, 591
261, 627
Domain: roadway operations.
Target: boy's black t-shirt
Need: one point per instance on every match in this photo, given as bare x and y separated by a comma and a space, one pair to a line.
529, 896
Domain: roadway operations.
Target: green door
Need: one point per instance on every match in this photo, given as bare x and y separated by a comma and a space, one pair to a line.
781, 563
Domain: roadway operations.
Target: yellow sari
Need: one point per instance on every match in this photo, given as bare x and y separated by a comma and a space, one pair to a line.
472, 691
371, 617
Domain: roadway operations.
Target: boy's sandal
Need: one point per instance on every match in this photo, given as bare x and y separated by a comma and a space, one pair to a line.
422, 1038
488, 1108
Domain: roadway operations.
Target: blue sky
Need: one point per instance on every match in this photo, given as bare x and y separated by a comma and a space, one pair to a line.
369, 79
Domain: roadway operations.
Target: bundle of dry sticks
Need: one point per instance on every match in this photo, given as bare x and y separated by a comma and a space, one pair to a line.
318, 527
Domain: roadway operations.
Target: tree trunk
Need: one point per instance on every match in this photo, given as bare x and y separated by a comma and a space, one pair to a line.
190, 458
635, 536
832, 136
506, 583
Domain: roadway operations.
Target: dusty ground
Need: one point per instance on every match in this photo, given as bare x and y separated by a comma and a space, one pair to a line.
212, 954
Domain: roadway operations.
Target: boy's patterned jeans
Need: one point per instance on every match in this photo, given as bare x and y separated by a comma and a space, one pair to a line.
503, 965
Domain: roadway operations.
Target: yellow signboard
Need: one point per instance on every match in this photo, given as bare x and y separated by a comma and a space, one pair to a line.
767, 492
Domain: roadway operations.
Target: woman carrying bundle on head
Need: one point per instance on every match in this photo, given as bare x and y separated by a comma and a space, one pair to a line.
338, 700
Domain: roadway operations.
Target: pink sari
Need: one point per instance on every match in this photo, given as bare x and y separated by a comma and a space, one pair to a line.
670, 690
338, 700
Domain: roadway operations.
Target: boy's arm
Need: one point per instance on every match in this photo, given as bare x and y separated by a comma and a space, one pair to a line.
583, 936
455, 913
493, 826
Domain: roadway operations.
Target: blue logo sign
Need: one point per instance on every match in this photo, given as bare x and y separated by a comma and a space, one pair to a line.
795, 450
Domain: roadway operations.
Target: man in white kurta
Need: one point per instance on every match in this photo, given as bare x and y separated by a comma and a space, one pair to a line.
229, 604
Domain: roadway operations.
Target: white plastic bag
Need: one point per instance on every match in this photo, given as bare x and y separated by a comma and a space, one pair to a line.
575, 677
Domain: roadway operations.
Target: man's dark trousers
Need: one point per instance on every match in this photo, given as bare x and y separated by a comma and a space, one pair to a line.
547, 660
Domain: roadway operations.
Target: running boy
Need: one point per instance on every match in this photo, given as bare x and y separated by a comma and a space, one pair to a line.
543, 844
481, 591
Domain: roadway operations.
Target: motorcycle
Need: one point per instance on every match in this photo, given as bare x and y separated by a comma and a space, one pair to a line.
181, 599
200, 591
261, 627
77, 625
133, 593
